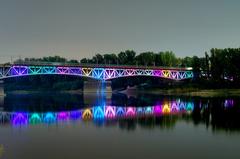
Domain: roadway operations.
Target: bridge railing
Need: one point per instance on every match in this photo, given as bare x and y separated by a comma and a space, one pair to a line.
96, 65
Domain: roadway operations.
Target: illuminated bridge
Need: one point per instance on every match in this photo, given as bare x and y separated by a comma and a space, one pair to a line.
99, 72
96, 113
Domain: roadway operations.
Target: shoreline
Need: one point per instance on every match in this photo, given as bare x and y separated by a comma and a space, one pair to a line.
190, 92
194, 92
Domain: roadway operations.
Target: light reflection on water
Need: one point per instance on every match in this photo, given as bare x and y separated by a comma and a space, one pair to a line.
96, 113
155, 125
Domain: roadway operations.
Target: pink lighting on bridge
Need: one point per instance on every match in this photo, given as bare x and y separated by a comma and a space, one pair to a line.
101, 73
130, 112
157, 110
110, 112
63, 116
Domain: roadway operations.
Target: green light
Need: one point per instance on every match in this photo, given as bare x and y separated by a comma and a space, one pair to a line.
35, 118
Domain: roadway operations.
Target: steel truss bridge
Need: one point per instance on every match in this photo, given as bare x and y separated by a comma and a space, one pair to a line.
94, 71
96, 113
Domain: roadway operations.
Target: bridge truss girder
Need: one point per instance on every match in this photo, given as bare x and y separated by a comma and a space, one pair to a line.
96, 73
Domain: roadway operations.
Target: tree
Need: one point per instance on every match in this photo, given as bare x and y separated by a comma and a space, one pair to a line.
167, 59
84, 60
98, 59
122, 58
146, 58
130, 55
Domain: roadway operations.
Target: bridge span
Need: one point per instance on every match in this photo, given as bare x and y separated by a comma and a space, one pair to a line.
99, 72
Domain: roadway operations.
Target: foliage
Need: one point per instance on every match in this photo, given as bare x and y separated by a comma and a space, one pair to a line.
219, 68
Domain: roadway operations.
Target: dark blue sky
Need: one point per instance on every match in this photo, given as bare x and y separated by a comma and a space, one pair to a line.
82, 28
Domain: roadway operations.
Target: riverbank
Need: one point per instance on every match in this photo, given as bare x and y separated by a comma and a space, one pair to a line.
195, 92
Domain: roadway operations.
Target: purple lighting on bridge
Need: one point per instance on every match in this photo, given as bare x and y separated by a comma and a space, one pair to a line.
20, 119
157, 110
63, 116
94, 72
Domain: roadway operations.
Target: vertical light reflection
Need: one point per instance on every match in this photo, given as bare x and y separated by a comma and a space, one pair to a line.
130, 111
148, 110
120, 111
75, 115
62, 116
20, 119
110, 112
98, 112
157, 110
87, 114
166, 108
49, 118
35, 118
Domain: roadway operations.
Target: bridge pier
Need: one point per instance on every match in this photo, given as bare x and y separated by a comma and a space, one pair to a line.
2, 88
97, 86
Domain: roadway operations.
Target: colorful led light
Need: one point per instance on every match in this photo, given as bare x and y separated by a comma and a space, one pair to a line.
35, 118
97, 73
157, 110
130, 112
189, 106
98, 112
75, 115
148, 110
63, 116
120, 111
110, 112
182, 106
166, 109
174, 107
49, 117
87, 114
19, 119
139, 110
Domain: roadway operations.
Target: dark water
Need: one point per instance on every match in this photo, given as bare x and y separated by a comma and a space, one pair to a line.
61, 126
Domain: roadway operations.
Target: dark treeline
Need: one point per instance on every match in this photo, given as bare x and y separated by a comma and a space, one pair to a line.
219, 68
128, 57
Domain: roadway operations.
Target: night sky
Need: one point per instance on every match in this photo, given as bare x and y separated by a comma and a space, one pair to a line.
81, 28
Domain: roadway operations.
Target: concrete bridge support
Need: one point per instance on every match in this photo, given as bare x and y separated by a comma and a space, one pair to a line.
2, 88
2, 94
97, 86
97, 92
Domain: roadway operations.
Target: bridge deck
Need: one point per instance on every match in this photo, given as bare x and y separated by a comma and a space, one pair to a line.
101, 72
56, 64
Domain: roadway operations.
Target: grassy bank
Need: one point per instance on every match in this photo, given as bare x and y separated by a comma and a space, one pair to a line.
196, 92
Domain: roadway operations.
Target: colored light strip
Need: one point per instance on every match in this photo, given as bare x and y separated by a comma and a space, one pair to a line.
99, 113
96, 73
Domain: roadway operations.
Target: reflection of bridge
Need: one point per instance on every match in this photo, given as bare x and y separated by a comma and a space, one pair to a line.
96, 113
94, 71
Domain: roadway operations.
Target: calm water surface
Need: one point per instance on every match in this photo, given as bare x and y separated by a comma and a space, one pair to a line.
38, 126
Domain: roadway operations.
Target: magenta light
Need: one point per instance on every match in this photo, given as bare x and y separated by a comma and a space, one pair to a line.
110, 112
96, 72
130, 112
157, 72
157, 110
62, 116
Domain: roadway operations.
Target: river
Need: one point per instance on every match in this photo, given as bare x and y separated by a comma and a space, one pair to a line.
52, 125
